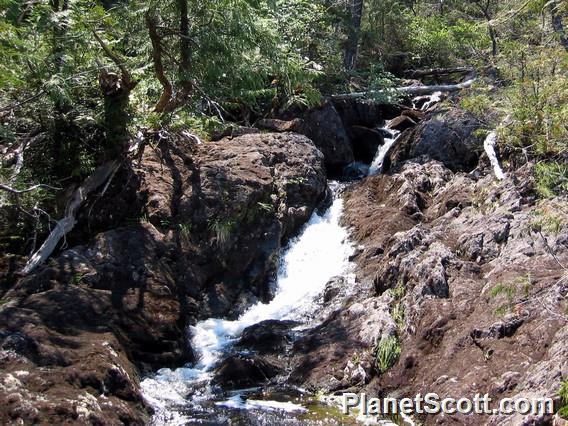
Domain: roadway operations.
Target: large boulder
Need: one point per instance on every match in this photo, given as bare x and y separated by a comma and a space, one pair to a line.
245, 371
268, 337
324, 127
402, 123
183, 232
448, 137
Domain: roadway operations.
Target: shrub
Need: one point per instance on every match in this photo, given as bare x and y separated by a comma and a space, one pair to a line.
563, 393
387, 353
551, 178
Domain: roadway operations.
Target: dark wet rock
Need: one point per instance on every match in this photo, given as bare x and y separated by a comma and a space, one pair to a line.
355, 171
448, 137
333, 288
415, 114
268, 337
324, 127
364, 112
402, 123
366, 142
183, 232
245, 371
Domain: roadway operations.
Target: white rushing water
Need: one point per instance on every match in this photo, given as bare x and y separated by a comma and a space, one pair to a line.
377, 164
319, 253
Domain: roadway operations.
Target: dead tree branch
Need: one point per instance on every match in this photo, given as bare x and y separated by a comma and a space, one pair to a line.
15, 191
99, 177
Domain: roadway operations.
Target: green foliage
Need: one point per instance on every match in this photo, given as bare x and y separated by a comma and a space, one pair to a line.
545, 219
404, 37
477, 103
398, 311
437, 42
222, 231
509, 293
387, 353
380, 81
552, 178
563, 393
537, 100
185, 232
267, 207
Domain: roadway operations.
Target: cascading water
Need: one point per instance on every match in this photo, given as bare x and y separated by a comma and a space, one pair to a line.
377, 164
319, 253
423, 103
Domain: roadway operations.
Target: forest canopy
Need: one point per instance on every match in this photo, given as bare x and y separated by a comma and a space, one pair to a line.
80, 79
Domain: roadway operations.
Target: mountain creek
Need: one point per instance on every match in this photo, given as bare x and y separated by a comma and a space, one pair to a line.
243, 280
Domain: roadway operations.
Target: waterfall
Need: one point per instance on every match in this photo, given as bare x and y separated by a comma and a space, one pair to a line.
377, 164
319, 253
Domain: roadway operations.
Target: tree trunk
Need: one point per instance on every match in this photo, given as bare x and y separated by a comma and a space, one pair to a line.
59, 31
184, 80
351, 48
116, 113
557, 24
437, 72
485, 10
493, 36
156, 40
172, 97
116, 92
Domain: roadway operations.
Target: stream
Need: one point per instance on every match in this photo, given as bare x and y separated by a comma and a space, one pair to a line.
186, 395
321, 251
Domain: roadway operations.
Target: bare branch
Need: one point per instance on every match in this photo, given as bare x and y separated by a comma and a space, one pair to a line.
65, 225
115, 58
15, 191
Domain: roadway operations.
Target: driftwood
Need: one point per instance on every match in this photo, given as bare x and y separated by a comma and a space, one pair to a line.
489, 146
99, 177
438, 71
408, 90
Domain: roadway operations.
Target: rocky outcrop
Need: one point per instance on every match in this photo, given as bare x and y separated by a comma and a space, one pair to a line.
448, 136
466, 274
184, 232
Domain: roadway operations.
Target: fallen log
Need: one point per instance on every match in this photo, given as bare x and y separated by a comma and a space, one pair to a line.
438, 71
408, 90
99, 177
